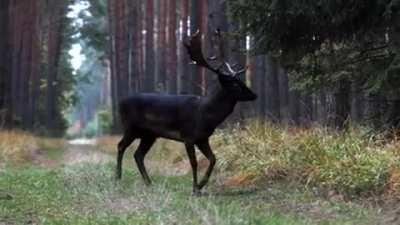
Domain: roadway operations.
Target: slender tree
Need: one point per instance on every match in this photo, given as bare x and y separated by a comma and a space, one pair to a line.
172, 48
54, 43
162, 43
272, 89
4, 65
196, 17
149, 65
184, 79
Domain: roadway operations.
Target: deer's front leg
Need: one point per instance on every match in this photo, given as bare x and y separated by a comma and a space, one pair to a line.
193, 162
122, 145
204, 147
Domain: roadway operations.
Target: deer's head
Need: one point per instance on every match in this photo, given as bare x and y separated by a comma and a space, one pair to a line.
227, 75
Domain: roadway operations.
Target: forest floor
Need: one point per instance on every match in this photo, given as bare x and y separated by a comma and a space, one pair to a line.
76, 185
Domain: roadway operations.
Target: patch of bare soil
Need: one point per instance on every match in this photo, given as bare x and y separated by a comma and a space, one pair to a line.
77, 154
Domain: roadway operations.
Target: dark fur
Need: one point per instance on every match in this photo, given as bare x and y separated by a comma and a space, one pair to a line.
184, 118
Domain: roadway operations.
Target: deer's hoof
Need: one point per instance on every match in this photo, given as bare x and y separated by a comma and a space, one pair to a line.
196, 193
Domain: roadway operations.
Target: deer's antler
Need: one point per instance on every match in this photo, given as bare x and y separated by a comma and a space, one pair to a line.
194, 48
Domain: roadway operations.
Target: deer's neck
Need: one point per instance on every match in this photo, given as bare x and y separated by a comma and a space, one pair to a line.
218, 106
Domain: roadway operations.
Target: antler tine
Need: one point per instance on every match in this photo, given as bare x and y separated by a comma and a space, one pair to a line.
230, 68
242, 71
233, 72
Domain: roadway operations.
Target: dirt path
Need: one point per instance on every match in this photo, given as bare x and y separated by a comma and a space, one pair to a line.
84, 151
76, 151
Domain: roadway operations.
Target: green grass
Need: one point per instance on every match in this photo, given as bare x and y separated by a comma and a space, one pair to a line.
88, 194
266, 174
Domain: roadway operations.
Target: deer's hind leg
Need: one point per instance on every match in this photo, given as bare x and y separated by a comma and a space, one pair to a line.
126, 140
143, 149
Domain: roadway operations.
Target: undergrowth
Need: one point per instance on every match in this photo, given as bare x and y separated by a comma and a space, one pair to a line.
16, 146
354, 162
19, 147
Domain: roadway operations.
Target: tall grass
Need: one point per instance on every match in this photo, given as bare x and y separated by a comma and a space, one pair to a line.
352, 162
16, 146
19, 147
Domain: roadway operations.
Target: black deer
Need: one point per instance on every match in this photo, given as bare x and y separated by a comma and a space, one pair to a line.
185, 118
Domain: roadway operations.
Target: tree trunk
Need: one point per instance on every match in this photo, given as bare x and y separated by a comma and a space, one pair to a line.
260, 83
196, 13
162, 46
149, 69
284, 96
54, 50
342, 104
172, 51
357, 102
111, 54
4, 65
272, 88
183, 80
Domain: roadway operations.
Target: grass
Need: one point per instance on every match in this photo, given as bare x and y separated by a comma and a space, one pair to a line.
20, 148
16, 146
353, 163
266, 174
88, 194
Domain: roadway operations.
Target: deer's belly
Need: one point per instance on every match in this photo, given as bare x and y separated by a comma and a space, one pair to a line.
170, 134
164, 131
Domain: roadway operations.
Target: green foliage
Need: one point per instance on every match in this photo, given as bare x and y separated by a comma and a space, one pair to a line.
65, 97
94, 28
324, 42
100, 124
92, 104
105, 121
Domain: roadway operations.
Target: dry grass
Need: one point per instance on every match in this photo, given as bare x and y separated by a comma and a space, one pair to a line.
163, 149
108, 143
355, 162
16, 146
19, 147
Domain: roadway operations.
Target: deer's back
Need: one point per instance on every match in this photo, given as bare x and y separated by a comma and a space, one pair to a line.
167, 116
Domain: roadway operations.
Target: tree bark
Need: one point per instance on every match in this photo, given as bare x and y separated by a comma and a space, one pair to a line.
284, 96
183, 80
272, 88
342, 104
149, 69
4, 65
196, 14
55, 26
172, 49
162, 47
